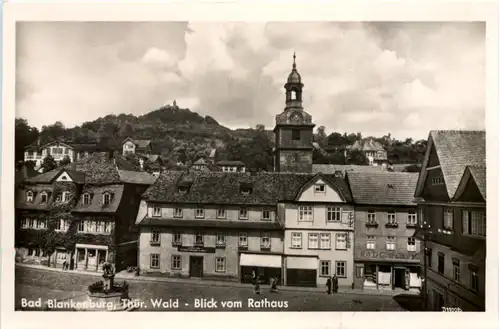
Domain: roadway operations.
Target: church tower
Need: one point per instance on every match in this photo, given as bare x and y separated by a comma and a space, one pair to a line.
293, 130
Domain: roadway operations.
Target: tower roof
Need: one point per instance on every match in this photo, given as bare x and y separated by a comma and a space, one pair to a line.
294, 76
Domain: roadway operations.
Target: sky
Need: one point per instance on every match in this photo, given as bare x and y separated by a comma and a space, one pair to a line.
374, 78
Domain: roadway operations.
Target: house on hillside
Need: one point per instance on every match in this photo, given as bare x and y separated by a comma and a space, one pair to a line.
201, 165
451, 194
137, 146
82, 213
373, 150
230, 166
60, 149
386, 253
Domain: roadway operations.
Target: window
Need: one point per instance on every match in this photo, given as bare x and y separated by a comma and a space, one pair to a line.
41, 224
313, 241
221, 213
319, 188
24, 223
81, 226
340, 268
155, 237
370, 242
390, 244
359, 271
176, 262
86, 198
243, 213
155, 260
243, 241
156, 211
62, 225
29, 196
107, 198
341, 241
220, 264
65, 196
198, 238
371, 217
456, 270
474, 279
324, 267
440, 263
220, 239
412, 246
305, 213
90, 226
57, 150
44, 197
412, 218
59, 198
177, 212
31, 223
108, 227
265, 240
266, 215
391, 217
474, 223
177, 238
296, 240
296, 134
448, 219
325, 241
437, 180
333, 214
199, 213
100, 226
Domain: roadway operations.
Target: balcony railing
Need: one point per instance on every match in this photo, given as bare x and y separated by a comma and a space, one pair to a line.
240, 247
220, 245
411, 225
177, 243
155, 242
199, 244
371, 224
265, 247
391, 225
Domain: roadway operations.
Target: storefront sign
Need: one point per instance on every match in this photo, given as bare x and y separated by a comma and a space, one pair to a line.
196, 249
387, 255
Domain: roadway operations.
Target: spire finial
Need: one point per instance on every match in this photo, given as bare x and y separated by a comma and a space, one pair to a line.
294, 65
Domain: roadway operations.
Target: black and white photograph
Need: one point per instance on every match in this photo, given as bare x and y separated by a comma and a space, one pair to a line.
191, 165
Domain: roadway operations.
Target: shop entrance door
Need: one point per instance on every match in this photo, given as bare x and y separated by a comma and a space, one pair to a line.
196, 266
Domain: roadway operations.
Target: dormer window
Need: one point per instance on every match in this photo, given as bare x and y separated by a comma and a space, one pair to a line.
44, 197
86, 198
184, 186
65, 196
319, 188
437, 180
106, 198
29, 196
243, 213
245, 188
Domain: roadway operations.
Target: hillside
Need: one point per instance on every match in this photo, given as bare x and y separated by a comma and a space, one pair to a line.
182, 135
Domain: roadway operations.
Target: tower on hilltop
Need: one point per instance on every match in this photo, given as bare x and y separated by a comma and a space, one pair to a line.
293, 130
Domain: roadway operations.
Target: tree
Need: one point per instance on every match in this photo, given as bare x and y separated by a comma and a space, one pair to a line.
321, 135
48, 163
52, 132
260, 127
66, 160
357, 157
24, 135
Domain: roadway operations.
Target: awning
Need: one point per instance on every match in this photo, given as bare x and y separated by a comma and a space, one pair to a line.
258, 260
302, 263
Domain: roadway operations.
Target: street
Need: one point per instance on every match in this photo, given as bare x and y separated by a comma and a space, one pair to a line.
34, 284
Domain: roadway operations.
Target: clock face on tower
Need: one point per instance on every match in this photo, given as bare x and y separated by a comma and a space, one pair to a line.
295, 116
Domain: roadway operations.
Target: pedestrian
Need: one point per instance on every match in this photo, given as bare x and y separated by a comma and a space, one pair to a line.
335, 284
256, 287
254, 277
64, 265
329, 286
274, 287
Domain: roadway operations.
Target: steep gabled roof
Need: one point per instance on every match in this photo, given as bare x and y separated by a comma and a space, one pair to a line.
224, 188
455, 149
332, 168
478, 174
383, 188
366, 145
229, 163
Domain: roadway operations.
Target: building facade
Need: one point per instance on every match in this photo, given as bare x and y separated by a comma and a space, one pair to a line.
59, 150
81, 214
373, 151
386, 253
319, 233
452, 220
230, 166
136, 146
293, 130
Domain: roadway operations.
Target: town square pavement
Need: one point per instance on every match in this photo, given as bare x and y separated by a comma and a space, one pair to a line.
34, 283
